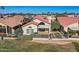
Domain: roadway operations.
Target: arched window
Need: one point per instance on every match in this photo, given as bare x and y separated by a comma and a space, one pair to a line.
29, 27
41, 23
0, 26
41, 28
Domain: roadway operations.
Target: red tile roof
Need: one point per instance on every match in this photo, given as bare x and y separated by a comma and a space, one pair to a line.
65, 21
39, 17
11, 21
32, 22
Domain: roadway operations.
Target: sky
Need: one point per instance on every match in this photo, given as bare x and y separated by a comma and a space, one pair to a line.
40, 9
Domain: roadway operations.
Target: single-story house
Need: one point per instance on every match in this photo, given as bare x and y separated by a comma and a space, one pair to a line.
69, 22
7, 24
38, 24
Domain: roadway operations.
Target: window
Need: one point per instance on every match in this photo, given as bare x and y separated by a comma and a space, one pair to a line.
41, 23
41, 26
41, 29
0, 26
29, 31
30, 27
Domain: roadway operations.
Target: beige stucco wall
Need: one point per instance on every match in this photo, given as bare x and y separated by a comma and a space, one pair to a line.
6, 28
71, 25
2, 24
34, 27
70, 15
38, 21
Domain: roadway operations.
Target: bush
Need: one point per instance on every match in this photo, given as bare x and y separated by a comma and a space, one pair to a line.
71, 32
19, 33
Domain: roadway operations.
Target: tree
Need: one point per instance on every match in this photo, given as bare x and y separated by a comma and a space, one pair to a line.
2, 8
19, 32
55, 25
13, 14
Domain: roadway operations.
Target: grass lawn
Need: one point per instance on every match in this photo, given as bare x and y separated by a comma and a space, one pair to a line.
26, 46
76, 44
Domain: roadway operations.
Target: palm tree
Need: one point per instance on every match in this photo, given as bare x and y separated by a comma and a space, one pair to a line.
2, 8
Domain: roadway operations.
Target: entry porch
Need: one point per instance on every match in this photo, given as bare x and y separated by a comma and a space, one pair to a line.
6, 30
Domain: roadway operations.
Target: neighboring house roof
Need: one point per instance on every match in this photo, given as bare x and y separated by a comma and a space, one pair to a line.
39, 17
71, 15
35, 23
65, 21
12, 21
32, 22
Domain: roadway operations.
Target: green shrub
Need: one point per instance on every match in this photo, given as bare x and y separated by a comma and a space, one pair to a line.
55, 25
71, 32
41, 48
19, 32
